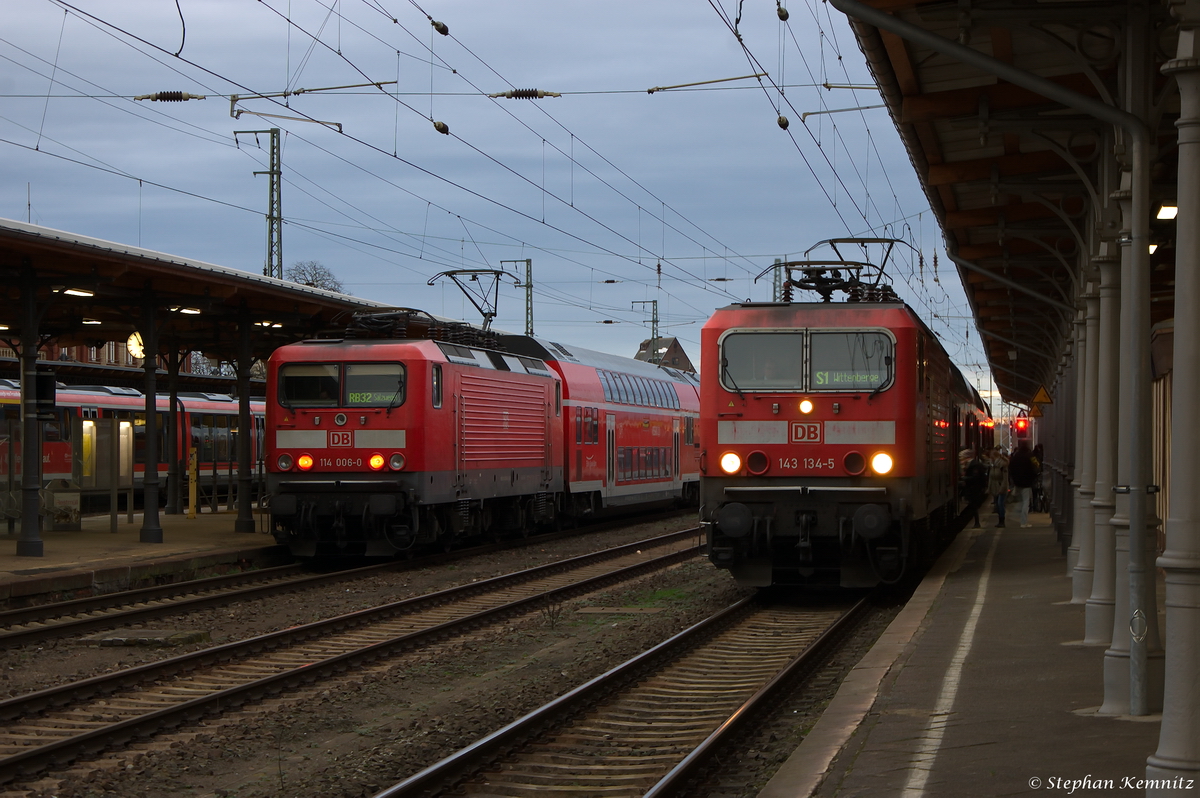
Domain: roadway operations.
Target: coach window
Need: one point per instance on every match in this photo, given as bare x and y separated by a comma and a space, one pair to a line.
849, 361
375, 384
220, 431
643, 391
579, 425
308, 385
436, 391
595, 425
762, 361
644, 397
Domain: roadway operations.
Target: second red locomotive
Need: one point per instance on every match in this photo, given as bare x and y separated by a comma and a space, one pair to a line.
831, 434
411, 431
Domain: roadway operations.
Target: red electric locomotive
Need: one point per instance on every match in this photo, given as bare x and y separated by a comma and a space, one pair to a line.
831, 434
413, 431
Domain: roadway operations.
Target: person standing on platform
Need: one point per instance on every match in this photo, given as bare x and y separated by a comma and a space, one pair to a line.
998, 483
975, 483
1022, 470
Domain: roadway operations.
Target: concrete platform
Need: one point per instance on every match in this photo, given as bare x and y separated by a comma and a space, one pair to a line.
978, 688
96, 560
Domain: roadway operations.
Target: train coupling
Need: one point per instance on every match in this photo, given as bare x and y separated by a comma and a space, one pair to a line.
806, 523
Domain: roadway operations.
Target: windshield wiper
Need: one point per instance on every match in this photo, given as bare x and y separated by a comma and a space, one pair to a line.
732, 381
887, 361
396, 395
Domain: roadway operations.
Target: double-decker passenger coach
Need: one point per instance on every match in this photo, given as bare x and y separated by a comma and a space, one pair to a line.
830, 435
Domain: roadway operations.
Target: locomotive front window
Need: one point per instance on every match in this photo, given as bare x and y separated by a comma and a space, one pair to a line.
849, 361
762, 361
374, 384
308, 385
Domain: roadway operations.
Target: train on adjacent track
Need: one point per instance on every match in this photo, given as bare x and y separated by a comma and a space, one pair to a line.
833, 433
93, 442
415, 432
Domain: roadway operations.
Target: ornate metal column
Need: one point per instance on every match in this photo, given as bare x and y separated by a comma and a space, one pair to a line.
1178, 753
174, 478
1078, 550
151, 530
30, 543
246, 432
1098, 617
1133, 663
1085, 448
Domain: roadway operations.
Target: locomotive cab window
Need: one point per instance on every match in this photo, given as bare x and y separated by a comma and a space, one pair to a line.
850, 360
309, 385
762, 361
375, 384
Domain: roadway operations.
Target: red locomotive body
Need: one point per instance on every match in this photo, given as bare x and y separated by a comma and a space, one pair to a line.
830, 435
379, 444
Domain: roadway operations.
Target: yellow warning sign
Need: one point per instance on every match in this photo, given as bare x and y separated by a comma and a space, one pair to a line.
1035, 412
1042, 397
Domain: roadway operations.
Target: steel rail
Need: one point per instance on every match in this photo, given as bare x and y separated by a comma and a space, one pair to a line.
676, 781
180, 597
454, 768
40, 758
443, 773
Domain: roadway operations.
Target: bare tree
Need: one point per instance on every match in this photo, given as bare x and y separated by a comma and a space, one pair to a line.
314, 274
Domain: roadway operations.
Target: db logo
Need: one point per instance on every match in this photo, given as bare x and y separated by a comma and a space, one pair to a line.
806, 432
340, 439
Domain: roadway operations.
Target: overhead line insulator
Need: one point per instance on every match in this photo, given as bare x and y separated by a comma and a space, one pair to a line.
524, 94
440, 27
170, 96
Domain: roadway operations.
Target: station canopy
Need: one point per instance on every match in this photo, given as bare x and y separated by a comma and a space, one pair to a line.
90, 291
1018, 181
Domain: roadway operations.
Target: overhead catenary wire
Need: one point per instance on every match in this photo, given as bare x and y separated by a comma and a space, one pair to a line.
355, 210
361, 142
484, 154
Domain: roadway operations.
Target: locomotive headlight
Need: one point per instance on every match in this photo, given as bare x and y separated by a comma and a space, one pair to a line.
284, 462
396, 462
881, 463
806, 406
731, 462
305, 462
376, 462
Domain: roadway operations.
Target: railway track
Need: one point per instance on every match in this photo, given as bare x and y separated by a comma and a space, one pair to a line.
59, 725
99, 613
651, 725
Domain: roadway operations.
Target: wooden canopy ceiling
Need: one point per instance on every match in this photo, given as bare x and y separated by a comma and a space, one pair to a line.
91, 291
1019, 182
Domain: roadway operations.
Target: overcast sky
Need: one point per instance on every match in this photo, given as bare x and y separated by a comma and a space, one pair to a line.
617, 195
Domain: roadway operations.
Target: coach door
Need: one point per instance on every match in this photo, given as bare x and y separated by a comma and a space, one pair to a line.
675, 477
89, 446
610, 445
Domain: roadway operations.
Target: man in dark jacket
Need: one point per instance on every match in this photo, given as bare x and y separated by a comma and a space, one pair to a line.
1023, 473
975, 480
